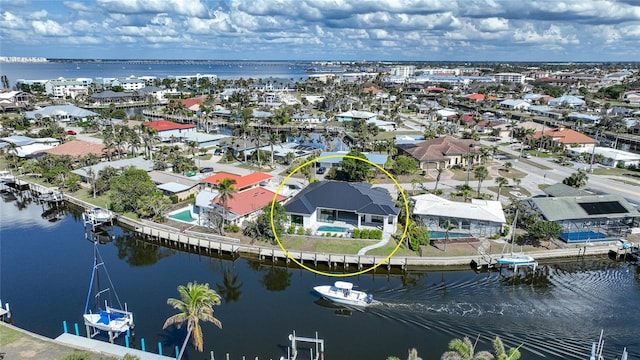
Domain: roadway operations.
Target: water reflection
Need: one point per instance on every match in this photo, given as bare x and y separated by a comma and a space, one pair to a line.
231, 288
139, 253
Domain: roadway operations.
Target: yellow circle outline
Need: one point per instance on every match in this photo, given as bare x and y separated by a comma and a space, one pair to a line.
404, 198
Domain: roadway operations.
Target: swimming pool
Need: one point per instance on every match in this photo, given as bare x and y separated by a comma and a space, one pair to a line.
335, 229
183, 216
579, 236
437, 235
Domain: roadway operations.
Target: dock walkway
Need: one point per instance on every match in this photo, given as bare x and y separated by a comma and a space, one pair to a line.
106, 348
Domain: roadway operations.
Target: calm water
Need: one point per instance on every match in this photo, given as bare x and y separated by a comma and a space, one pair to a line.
231, 70
46, 266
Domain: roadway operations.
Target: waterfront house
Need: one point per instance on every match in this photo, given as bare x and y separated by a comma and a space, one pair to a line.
479, 218
242, 206
443, 152
242, 182
356, 115
171, 131
344, 206
589, 217
515, 104
87, 172
61, 113
567, 101
110, 97
174, 184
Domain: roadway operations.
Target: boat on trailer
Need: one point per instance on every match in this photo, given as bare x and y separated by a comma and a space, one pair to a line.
97, 319
342, 292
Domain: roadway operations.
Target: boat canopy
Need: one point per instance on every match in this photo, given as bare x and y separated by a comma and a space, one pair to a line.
343, 285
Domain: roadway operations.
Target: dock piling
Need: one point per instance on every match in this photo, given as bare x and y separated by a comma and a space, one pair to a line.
64, 326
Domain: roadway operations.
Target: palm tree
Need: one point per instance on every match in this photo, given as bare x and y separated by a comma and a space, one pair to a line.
273, 140
464, 350
447, 227
501, 181
481, 173
501, 354
195, 304
225, 192
440, 170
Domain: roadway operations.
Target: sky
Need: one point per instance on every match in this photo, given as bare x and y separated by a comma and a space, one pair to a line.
371, 30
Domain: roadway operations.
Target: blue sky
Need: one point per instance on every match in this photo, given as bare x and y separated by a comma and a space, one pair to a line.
420, 30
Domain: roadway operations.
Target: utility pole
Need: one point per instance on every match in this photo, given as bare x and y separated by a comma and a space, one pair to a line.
593, 153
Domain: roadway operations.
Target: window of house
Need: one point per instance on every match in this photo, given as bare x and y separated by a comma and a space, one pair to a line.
297, 220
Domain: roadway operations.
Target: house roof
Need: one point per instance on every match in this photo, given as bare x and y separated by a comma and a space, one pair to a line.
77, 148
137, 162
560, 189
440, 148
56, 110
378, 159
565, 136
480, 97
241, 181
584, 207
164, 125
361, 198
108, 94
482, 210
248, 201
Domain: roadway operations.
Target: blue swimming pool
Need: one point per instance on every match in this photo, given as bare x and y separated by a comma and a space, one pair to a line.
335, 229
580, 236
183, 216
437, 235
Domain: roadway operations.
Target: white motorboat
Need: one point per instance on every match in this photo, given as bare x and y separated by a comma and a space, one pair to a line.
342, 292
97, 216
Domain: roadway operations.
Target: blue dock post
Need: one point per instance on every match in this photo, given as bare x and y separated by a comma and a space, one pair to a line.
77, 330
177, 351
126, 341
64, 326
159, 348
142, 343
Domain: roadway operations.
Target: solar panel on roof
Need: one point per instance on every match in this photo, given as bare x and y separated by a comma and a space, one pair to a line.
605, 207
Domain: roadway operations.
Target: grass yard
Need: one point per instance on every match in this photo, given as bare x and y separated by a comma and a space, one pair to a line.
625, 181
512, 173
506, 191
461, 175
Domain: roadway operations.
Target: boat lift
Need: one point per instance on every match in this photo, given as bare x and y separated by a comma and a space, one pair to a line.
292, 352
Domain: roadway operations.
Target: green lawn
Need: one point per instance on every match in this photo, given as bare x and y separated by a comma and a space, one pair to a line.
512, 173
628, 182
612, 171
8, 335
506, 191
461, 175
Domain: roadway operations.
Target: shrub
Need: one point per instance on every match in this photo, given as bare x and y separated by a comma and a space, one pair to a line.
356, 233
291, 229
234, 228
334, 235
308, 232
76, 356
300, 231
174, 199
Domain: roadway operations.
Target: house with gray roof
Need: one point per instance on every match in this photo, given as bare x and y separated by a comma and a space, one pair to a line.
61, 113
138, 162
589, 217
338, 206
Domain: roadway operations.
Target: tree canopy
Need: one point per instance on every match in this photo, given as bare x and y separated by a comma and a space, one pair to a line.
354, 170
128, 188
577, 180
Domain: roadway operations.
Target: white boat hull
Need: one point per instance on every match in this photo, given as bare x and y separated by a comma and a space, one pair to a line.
344, 296
110, 320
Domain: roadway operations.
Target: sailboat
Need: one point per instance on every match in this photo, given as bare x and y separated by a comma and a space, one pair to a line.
98, 315
516, 259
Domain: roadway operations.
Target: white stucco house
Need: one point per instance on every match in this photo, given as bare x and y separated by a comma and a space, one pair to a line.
343, 205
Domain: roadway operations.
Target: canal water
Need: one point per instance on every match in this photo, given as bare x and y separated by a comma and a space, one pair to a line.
46, 264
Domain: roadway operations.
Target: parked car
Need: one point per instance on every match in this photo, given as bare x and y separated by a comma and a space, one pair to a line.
526, 156
321, 170
206, 170
71, 132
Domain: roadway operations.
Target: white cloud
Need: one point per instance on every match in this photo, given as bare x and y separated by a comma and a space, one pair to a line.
179, 7
50, 28
11, 21
493, 24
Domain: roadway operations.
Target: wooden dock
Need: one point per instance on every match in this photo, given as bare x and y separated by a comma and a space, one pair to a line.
106, 348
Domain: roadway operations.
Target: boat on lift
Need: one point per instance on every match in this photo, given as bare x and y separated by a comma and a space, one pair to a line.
515, 259
97, 215
99, 316
342, 292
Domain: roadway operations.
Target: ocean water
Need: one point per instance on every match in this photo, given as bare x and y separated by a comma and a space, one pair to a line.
224, 70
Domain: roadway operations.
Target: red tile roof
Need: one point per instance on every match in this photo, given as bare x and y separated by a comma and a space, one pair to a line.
241, 181
248, 201
164, 125
439, 149
565, 136
77, 148
434, 89
191, 101
479, 97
